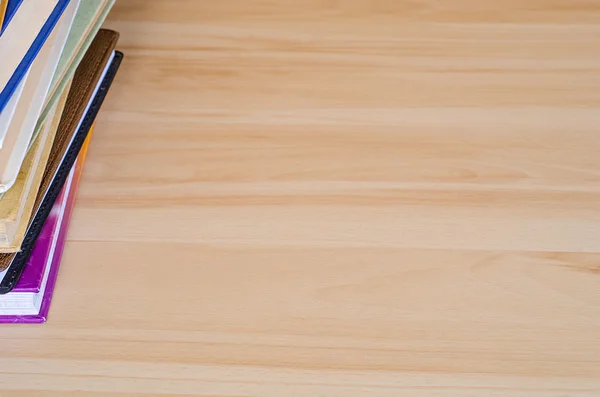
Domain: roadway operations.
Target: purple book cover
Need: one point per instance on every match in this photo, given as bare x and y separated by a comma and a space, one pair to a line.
49, 247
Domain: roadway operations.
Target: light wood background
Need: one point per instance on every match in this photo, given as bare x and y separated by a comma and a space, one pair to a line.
334, 198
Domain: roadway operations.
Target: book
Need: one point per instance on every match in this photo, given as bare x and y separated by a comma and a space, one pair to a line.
88, 19
33, 92
22, 40
88, 77
30, 300
19, 172
7, 11
63, 155
32, 278
16, 204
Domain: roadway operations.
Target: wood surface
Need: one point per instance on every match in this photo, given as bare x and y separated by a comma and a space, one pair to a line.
334, 198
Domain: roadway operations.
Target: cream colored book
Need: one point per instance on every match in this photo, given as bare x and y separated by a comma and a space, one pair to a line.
9, 109
20, 34
16, 205
32, 99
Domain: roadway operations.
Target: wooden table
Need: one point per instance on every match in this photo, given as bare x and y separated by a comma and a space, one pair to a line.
334, 198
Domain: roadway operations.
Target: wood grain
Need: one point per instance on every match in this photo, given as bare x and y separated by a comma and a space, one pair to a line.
323, 198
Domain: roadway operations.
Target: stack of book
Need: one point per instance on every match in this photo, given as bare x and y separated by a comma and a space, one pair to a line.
56, 66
